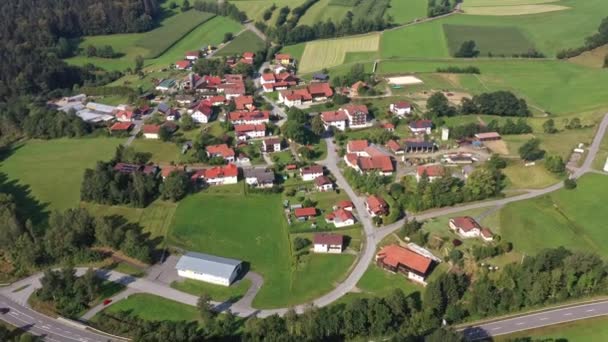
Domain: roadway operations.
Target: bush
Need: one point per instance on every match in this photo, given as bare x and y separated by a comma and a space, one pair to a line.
570, 184
300, 243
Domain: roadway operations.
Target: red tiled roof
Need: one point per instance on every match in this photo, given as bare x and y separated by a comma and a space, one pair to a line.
222, 150
322, 180
229, 170
305, 212
166, 171
241, 102
388, 126
353, 108
357, 85
268, 77
311, 169
151, 129
393, 145
345, 204
341, 214
376, 204
248, 116
333, 116
204, 107
488, 135
121, 126
125, 113
465, 223
212, 80
431, 170
297, 94
192, 54
182, 64
217, 99
272, 141
291, 166
486, 233
357, 145
282, 56
394, 255
401, 105
320, 89
328, 239
376, 163
249, 128
248, 55
418, 124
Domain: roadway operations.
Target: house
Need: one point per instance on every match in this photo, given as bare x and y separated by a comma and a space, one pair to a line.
284, 59
208, 268
219, 175
320, 91
192, 55
357, 115
258, 177
250, 118
486, 235
340, 218
183, 65
354, 89
184, 99
394, 146
489, 136
432, 171
173, 115
357, 147
376, 206
151, 131
125, 116
310, 173
376, 163
271, 145
346, 205
295, 97
304, 214
421, 126
320, 77
245, 132
336, 119
216, 100
244, 103
398, 259
167, 170
248, 57
389, 127
419, 146
121, 127
165, 85
323, 183
328, 243
465, 226
280, 81
400, 108
222, 151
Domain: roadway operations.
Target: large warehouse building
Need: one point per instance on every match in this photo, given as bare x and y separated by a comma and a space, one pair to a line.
208, 268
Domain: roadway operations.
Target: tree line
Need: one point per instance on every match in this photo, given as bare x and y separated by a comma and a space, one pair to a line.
223, 8
591, 42
502, 103
520, 126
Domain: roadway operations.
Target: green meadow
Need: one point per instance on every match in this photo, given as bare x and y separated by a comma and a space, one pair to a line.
245, 42
153, 308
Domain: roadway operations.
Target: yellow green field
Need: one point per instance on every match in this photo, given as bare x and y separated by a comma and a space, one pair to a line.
332, 52
255, 8
511, 7
322, 11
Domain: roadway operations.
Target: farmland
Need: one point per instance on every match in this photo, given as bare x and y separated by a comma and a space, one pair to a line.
405, 11
488, 39
153, 308
246, 41
255, 8
36, 168
511, 7
324, 10
593, 329
332, 52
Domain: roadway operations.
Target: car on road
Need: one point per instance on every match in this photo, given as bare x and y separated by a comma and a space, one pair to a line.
107, 301
4, 310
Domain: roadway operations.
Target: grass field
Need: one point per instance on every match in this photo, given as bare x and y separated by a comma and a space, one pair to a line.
154, 308
51, 170
528, 177
593, 329
593, 58
405, 11
223, 221
511, 7
328, 53
488, 39
217, 292
246, 41
255, 8
423, 40
572, 218
324, 10
161, 151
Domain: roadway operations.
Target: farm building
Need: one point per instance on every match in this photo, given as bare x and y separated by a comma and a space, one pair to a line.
328, 243
357, 147
121, 127
394, 146
304, 214
403, 260
419, 146
208, 268
489, 136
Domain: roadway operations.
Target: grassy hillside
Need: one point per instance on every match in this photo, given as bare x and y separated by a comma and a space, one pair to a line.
246, 41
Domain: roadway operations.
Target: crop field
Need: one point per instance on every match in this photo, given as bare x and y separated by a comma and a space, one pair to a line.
405, 11
246, 41
225, 222
324, 10
366, 9
255, 8
573, 218
488, 39
332, 52
424, 40
51, 170
511, 7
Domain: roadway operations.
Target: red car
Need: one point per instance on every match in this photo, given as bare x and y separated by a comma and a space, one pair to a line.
107, 301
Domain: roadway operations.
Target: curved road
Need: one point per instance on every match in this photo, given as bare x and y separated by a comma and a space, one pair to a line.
56, 330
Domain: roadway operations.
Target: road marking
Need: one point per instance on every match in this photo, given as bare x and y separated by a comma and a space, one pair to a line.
568, 314
543, 318
520, 323
497, 328
590, 310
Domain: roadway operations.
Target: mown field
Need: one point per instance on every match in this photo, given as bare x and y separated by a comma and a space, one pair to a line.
223, 221
153, 308
245, 42
51, 170
325, 10
489, 40
255, 8
511, 7
405, 11
593, 329
332, 52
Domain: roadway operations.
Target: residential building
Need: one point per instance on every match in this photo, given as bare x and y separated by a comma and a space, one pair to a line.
192, 55
340, 218
486, 235
432, 171
222, 151
421, 126
314, 92
337, 119
398, 259
151, 131
125, 116
244, 102
357, 147
467, 227
167, 170
395, 147
376, 163
309, 173
245, 132
250, 118
323, 183
208, 268
328, 243
284, 59
400, 108
389, 127
346, 205
183, 65
271, 145
219, 175
304, 214
376, 206
121, 127
259, 177
202, 112
357, 115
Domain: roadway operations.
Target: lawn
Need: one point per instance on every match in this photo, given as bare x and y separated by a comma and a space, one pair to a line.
422, 40
405, 11
592, 329
153, 308
255, 8
246, 41
324, 10
381, 283
488, 39
161, 151
50, 171
332, 52
217, 292
572, 218
528, 177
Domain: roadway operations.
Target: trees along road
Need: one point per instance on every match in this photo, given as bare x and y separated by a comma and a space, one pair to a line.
56, 330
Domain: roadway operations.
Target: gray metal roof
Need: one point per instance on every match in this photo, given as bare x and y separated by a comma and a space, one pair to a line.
208, 264
262, 175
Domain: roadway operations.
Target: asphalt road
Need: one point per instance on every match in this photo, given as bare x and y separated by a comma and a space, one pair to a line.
535, 320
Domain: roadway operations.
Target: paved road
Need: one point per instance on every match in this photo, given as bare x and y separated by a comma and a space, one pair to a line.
535, 320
